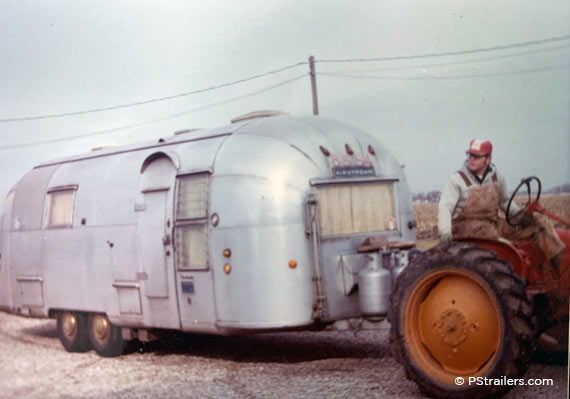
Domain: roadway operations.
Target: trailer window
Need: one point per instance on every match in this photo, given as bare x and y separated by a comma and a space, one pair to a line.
60, 208
355, 208
191, 222
192, 196
192, 246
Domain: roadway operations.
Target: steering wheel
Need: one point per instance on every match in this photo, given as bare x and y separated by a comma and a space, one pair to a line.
524, 182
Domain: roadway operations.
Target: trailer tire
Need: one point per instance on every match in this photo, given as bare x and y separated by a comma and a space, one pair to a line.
106, 339
458, 311
72, 331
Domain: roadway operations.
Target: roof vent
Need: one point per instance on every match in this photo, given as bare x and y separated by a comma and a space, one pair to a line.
101, 147
184, 131
257, 114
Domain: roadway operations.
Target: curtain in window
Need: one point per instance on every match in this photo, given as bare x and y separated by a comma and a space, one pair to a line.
61, 208
357, 208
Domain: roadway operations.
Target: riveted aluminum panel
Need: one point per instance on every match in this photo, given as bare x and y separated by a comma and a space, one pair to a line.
262, 291
28, 208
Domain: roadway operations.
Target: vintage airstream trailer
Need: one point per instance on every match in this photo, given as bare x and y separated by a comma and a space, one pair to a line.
255, 226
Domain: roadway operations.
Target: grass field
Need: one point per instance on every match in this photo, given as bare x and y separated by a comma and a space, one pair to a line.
426, 216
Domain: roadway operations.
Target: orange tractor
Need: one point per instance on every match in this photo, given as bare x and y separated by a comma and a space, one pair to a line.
467, 315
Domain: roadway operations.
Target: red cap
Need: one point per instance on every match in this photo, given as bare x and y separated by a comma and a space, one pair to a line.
479, 147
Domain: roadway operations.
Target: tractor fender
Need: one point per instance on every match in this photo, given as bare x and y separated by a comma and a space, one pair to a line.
505, 251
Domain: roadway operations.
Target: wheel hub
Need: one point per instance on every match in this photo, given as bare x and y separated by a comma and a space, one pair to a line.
452, 326
69, 325
100, 328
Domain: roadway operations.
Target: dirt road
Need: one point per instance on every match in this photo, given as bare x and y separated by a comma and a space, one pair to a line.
287, 365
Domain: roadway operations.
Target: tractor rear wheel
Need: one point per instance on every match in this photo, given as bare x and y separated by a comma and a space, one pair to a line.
461, 319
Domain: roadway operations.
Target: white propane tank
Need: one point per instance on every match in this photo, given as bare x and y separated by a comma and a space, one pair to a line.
374, 287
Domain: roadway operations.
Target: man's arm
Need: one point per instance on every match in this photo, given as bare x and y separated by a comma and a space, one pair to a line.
447, 204
504, 199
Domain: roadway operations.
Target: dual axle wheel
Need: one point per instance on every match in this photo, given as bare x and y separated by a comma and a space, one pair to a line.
79, 332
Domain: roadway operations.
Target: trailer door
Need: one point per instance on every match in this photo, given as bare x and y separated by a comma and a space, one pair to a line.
154, 225
154, 239
193, 272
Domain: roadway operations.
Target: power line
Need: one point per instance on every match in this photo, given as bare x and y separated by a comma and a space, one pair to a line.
166, 98
161, 119
473, 76
153, 100
470, 61
449, 53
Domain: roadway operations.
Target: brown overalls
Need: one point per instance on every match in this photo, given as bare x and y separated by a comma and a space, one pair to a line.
479, 218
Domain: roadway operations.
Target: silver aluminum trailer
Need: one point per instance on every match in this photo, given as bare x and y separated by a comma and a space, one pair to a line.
270, 223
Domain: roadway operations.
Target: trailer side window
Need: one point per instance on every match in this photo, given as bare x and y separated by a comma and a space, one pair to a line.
60, 211
191, 221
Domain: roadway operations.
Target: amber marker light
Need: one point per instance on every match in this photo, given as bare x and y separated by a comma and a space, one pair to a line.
292, 263
227, 268
227, 252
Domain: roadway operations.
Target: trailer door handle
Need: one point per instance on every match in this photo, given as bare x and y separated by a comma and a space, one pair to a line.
166, 240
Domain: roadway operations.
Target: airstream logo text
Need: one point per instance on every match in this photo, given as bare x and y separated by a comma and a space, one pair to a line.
353, 171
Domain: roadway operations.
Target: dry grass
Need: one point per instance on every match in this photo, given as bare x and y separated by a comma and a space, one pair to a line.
426, 213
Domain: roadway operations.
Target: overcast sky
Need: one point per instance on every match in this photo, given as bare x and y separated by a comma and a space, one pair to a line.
63, 57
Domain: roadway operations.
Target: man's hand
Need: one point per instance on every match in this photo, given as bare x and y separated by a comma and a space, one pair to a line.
446, 237
527, 220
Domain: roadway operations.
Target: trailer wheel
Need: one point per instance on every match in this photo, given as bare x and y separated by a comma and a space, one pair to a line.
72, 331
459, 315
106, 339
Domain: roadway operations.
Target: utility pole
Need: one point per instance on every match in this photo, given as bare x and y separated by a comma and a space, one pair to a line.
314, 85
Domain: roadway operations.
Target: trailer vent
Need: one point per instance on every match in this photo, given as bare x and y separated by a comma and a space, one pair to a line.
257, 114
101, 147
184, 131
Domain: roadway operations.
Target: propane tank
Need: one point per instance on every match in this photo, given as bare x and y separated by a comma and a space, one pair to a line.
374, 287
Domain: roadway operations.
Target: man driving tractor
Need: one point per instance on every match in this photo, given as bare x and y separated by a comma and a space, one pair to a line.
470, 203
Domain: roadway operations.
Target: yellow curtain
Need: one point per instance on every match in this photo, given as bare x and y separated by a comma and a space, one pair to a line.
61, 208
356, 208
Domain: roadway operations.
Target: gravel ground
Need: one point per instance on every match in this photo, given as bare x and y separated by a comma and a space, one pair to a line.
286, 365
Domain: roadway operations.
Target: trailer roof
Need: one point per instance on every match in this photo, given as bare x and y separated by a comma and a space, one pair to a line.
177, 138
303, 133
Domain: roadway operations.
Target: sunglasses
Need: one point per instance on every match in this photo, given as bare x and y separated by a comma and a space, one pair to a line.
475, 156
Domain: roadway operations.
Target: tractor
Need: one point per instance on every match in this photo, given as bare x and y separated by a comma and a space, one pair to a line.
466, 316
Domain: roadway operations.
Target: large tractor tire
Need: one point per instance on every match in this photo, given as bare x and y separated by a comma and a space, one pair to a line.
462, 325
